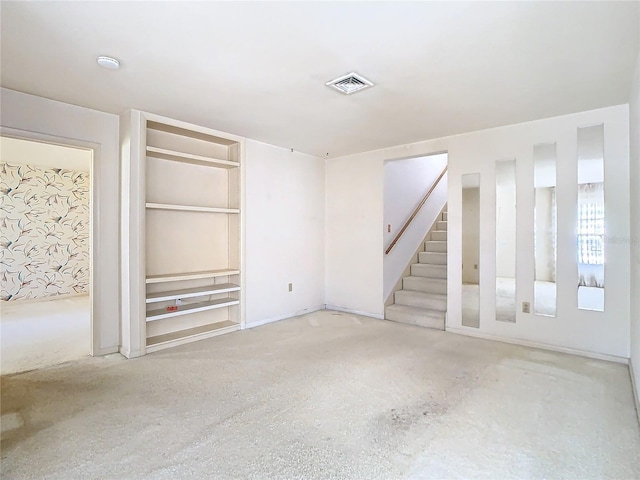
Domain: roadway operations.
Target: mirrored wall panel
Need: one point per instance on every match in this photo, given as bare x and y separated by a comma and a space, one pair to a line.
590, 228
545, 229
506, 241
471, 250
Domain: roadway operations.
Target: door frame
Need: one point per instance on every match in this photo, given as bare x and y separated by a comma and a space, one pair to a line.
94, 218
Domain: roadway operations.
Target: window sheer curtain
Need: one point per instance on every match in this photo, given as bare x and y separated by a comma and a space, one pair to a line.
590, 235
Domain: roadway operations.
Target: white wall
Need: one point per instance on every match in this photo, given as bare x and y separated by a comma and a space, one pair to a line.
28, 116
285, 238
406, 181
354, 237
286, 186
284, 214
354, 233
634, 116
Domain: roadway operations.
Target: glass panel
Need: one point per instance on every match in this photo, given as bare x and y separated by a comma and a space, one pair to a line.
470, 249
590, 221
506, 241
545, 229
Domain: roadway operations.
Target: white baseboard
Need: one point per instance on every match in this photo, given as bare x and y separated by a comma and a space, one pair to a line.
542, 346
129, 353
355, 312
258, 323
105, 351
636, 389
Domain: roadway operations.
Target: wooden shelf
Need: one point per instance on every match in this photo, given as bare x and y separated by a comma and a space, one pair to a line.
191, 208
192, 292
172, 155
189, 308
175, 277
180, 337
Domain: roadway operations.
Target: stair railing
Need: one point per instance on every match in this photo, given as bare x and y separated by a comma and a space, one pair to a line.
415, 212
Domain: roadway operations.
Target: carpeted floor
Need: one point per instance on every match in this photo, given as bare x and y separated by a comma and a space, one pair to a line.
324, 396
41, 334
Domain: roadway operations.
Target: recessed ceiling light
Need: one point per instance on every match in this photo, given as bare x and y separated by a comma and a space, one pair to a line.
350, 83
108, 62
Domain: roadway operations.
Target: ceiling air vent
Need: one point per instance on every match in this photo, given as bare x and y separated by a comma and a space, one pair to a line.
350, 83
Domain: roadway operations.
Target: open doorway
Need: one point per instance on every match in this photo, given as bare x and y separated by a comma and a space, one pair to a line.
415, 240
45, 263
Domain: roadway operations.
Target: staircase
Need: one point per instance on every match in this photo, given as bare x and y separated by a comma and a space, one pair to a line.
423, 298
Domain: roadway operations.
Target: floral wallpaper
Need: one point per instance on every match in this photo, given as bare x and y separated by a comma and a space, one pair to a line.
44, 232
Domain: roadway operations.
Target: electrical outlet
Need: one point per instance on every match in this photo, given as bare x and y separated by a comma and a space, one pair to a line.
291, 287
475, 266
526, 307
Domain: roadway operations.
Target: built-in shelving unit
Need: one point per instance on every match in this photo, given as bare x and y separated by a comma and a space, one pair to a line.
182, 221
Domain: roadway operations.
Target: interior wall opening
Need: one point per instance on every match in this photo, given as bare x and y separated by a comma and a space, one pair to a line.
471, 250
45, 263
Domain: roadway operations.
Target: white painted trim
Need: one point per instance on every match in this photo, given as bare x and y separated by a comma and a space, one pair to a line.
243, 229
124, 351
132, 234
635, 387
95, 256
106, 351
355, 312
542, 346
284, 317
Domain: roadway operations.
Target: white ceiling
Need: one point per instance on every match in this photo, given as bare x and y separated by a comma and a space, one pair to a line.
259, 69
